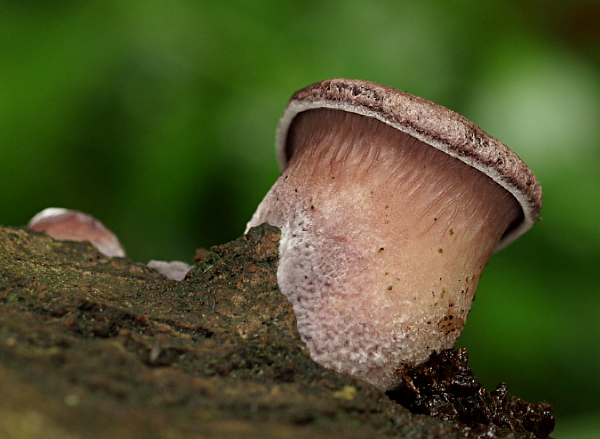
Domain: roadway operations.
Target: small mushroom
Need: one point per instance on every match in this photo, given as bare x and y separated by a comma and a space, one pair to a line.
175, 270
389, 207
71, 225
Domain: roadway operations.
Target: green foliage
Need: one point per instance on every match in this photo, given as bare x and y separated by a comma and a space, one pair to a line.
158, 118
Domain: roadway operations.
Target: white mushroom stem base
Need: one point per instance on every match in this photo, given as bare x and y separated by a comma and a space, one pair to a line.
384, 239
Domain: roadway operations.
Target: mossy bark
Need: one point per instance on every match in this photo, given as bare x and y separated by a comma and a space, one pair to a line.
97, 347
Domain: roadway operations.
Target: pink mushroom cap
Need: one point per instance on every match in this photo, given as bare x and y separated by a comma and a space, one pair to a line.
71, 225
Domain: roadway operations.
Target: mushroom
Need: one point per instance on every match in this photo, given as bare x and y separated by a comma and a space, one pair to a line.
71, 225
175, 270
389, 206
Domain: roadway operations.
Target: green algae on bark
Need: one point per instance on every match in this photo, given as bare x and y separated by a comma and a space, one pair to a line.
101, 347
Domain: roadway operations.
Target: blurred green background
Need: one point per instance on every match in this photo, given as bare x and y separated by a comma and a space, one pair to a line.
158, 117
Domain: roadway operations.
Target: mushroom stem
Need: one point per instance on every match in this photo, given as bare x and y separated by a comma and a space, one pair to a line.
384, 239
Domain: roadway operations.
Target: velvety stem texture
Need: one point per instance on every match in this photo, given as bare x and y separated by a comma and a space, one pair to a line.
384, 239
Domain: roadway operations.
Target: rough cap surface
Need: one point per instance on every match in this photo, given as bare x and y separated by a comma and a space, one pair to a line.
431, 123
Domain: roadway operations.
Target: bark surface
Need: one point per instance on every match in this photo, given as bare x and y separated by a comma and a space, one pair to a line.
97, 347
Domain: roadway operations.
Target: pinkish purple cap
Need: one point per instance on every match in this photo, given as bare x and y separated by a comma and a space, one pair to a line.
432, 124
